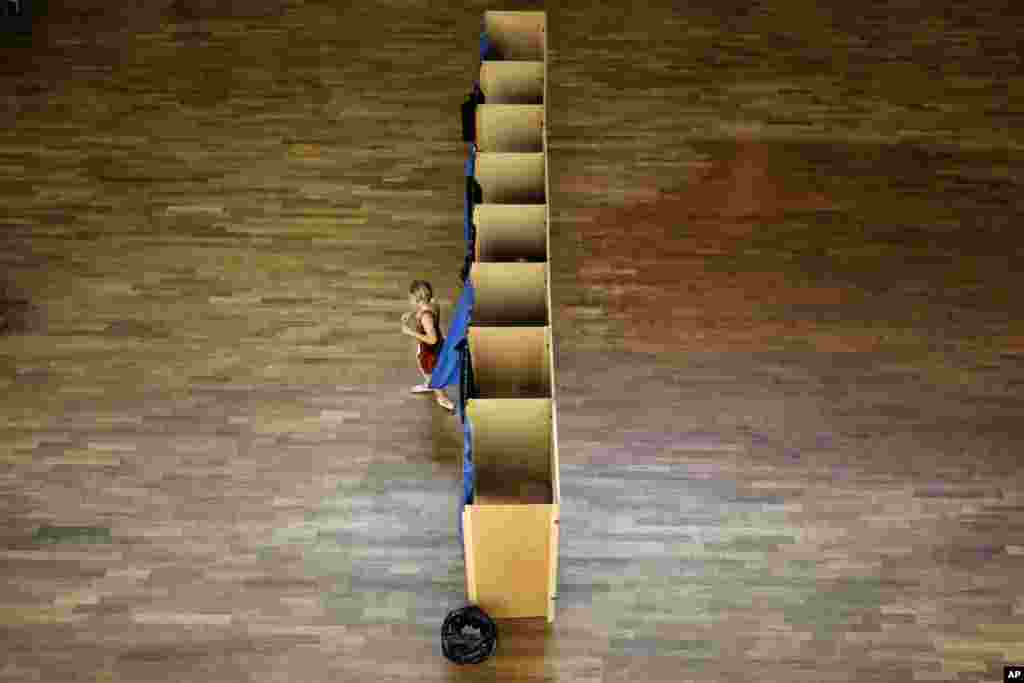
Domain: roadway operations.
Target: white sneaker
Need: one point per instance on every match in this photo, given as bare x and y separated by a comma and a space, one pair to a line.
420, 389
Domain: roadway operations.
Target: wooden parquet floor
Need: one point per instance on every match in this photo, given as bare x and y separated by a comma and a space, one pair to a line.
786, 249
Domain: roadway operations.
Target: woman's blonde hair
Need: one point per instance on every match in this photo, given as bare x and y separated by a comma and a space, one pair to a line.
421, 290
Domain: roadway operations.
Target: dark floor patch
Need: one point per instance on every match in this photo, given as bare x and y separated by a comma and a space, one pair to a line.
17, 314
72, 534
195, 10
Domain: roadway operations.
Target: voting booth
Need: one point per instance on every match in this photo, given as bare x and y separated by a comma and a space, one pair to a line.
510, 128
511, 232
510, 294
511, 362
511, 177
511, 529
518, 36
510, 524
513, 82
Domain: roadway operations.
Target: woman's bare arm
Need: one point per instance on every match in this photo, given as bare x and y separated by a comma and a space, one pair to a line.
429, 338
428, 325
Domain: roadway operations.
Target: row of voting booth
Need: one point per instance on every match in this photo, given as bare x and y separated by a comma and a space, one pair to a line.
499, 348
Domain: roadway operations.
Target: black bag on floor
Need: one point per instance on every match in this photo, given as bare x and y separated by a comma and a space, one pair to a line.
463, 646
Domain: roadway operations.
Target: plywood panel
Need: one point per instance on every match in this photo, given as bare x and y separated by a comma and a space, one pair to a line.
470, 551
556, 485
511, 438
512, 82
516, 35
511, 232
511, 177
510, 293
553, 562
511, 560
510, 127
511, 362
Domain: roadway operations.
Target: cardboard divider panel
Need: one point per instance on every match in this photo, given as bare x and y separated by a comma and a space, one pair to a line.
511, 362
510, 525
516, 35
509, 573
510, 127
511, 177
510, 294
511, 450
512, 82
511, 232
556, 479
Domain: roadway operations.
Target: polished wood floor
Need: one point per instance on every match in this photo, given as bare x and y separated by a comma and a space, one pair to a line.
790, 342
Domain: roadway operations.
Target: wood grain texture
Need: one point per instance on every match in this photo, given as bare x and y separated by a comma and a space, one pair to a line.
788, 336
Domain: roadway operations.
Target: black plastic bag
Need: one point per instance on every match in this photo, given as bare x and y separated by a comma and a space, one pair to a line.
468, 635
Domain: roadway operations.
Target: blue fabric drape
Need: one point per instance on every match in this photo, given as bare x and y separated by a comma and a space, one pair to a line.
467, 385
467, 472
454, 360
485, 45
471, 161
447, 371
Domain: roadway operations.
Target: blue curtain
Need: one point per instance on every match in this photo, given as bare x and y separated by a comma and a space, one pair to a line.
467, 473
447, 370
471, 161
454, 362
467, 387
485, 45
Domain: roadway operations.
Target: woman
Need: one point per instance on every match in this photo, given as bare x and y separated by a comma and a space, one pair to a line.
428, 336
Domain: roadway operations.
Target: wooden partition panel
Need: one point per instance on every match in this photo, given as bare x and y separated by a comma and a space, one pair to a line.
510, 529
509, 573
554, 530
511, 362
511, 232
556, 481
512, 82
516, 35
511, 177
510, 294
510, 127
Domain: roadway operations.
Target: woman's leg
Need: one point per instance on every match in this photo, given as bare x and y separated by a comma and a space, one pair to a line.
442, 397
421, 388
